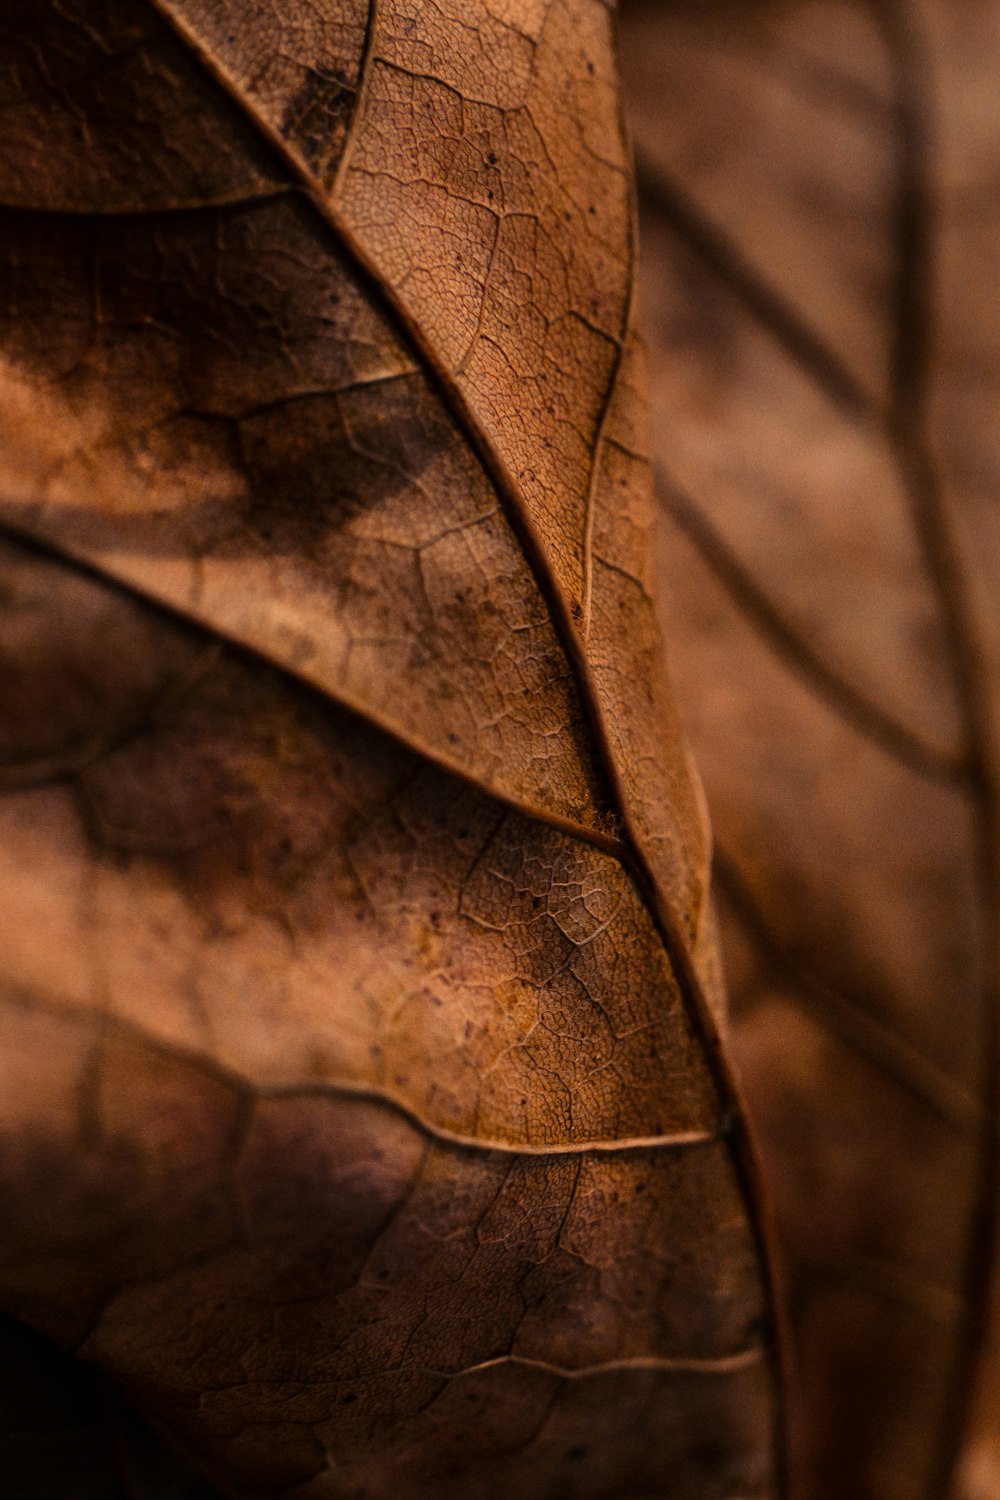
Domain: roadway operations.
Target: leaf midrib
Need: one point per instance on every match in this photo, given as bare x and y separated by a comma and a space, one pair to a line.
503, 482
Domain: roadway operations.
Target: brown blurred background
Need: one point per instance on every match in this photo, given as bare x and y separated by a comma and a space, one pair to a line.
818, 193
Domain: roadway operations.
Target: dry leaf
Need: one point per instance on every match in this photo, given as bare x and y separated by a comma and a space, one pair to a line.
821, 221
362, 1115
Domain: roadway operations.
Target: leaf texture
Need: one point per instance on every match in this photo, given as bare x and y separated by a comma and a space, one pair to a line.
364, 1116
820, 198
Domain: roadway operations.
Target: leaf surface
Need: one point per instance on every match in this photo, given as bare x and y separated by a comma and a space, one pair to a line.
363, 1114
820, 220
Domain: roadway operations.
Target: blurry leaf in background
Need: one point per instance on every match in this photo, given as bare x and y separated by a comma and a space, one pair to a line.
820, 197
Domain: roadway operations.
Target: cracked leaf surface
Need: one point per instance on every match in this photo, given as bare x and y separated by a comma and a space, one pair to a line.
359, 1074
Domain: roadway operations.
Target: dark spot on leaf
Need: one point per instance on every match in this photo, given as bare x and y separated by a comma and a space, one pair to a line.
316, 120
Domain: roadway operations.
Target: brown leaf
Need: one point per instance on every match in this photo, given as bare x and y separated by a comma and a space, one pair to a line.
364, 1117
820, 211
